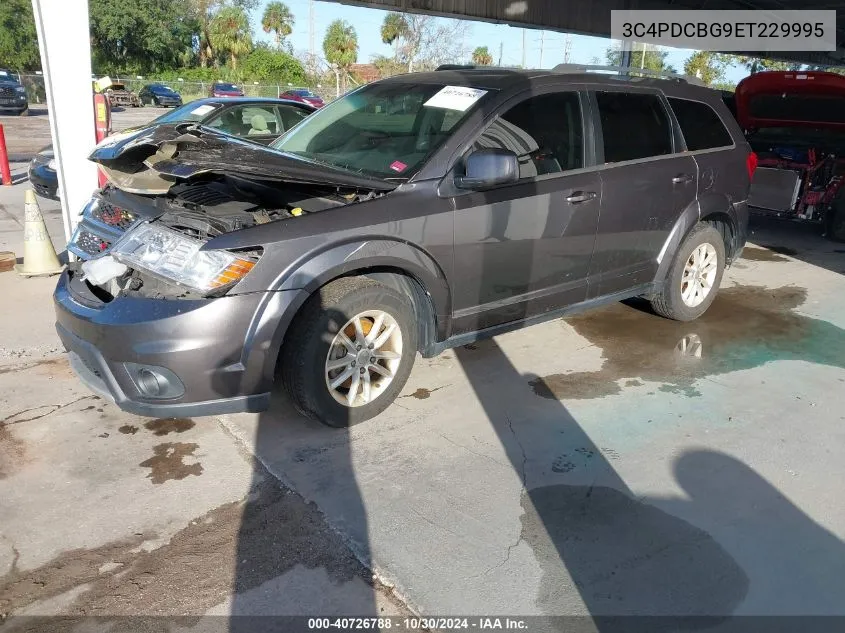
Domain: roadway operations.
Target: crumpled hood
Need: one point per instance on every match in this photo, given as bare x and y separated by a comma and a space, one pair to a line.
155, 158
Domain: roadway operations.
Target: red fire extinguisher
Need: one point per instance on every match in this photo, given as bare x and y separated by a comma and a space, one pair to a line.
102, 126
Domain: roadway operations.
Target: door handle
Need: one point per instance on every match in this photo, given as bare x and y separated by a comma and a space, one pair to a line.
580, 196
682, 179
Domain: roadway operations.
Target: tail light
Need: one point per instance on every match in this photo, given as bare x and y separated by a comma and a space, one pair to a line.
751, 164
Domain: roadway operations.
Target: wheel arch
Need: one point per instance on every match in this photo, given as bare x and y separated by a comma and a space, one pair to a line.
399, 265
714, 208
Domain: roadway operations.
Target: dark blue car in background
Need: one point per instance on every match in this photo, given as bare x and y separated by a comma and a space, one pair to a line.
159, 95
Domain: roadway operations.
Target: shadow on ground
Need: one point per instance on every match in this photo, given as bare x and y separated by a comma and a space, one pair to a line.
788, 238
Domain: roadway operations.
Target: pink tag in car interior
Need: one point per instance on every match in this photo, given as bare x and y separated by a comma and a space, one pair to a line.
397, 166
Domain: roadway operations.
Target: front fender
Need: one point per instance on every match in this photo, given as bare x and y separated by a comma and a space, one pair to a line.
290, 291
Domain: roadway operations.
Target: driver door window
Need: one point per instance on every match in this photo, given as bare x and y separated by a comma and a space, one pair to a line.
544, 132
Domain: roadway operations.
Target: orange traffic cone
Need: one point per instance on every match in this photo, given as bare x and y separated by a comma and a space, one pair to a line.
39, 256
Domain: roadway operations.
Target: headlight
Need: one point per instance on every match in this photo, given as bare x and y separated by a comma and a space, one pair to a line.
52, 164
177, 258
20, 89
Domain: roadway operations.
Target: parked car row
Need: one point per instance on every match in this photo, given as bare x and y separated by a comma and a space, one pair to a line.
260, 120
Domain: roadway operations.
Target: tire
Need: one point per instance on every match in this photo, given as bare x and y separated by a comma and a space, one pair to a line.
312, 338
670, 302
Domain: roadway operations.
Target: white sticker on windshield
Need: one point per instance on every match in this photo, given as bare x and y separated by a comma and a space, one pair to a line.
3, 73
203, 109
455, 98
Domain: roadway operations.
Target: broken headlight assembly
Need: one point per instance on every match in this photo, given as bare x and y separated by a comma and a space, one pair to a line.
176, 258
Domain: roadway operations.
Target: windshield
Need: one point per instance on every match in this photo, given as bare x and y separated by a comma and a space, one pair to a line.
384, 129
188, 112
161, 89
226, 87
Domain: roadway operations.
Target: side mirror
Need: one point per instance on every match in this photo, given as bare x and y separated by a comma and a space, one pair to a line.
489, 167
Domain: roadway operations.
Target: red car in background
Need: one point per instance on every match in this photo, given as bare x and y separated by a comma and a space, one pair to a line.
303, 96
223, 89
795, 122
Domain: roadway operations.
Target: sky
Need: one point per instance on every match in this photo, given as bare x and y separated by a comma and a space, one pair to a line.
367, 23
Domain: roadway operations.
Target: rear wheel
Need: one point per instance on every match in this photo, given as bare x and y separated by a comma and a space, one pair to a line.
695, 276
349, 351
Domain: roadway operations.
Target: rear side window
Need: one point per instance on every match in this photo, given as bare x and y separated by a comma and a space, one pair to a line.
544, 131
701, 126
633, 125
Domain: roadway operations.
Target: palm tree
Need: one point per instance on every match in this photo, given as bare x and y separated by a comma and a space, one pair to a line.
229, 32
340, 46
277, 18
203, 11
481, 56
394, 27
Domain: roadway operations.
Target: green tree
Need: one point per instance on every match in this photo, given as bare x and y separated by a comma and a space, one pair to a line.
229, 32
648, 57
278, 19
756, 64
393, 28
481, 56
18, 39
424, 41
266, 64
140, 35
710, 67
340, 46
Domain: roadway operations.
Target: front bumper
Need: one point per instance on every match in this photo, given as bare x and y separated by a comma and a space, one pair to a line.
210, 346
17, 108
45, 181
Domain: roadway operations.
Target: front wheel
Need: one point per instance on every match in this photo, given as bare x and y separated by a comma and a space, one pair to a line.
695, 276
349, 351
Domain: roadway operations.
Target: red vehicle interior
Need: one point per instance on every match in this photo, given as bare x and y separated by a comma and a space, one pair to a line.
796, 120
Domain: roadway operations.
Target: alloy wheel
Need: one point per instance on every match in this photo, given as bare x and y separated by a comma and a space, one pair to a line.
699, 275
363, 358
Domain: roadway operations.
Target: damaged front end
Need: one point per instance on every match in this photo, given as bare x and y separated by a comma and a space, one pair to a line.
174, 188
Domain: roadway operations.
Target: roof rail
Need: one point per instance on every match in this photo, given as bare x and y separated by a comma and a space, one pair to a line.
625, 70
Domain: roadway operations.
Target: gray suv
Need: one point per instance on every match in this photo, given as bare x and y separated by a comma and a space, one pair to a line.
414, 214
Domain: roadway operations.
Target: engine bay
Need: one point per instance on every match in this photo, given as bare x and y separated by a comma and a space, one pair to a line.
199, 209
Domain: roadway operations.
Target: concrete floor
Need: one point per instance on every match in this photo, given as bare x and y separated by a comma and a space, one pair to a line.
616, 463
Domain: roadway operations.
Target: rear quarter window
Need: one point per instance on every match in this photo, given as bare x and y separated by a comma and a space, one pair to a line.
701, 126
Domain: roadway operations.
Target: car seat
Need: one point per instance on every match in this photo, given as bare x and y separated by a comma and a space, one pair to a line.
258, 126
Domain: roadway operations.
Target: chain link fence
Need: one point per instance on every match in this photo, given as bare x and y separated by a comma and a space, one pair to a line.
190, 90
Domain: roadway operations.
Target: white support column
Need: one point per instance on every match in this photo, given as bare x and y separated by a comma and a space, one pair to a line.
64, 42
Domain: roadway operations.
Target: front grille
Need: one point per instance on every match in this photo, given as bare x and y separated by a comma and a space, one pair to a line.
112, 215
91, 244
102, 225
7, 91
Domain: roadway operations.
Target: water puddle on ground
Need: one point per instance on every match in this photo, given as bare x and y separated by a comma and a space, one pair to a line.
164, 426
168, 462
746, 327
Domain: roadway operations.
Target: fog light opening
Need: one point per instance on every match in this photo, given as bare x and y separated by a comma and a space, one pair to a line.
150, 383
